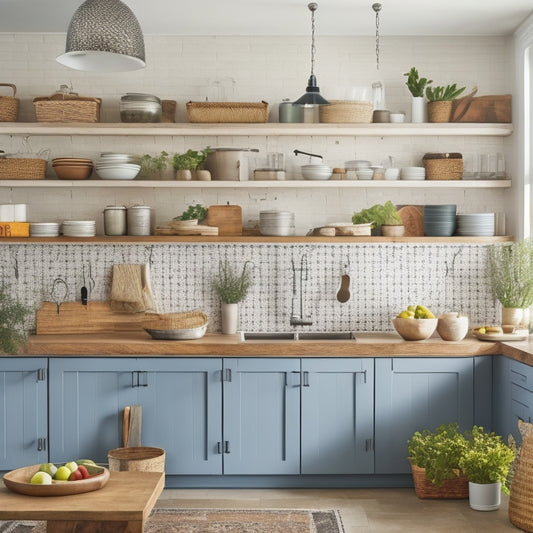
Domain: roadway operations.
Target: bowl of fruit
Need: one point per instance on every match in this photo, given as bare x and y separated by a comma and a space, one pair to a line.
416, 323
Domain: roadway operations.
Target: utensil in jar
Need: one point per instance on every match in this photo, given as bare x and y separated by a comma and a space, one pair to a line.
59, 292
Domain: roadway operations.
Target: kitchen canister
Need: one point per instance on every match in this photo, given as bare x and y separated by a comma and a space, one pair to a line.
115, 220
139, 220
288, 112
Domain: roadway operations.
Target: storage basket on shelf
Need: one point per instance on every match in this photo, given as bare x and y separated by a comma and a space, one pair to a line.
62, 107
346, 111
20, 168
9, 105
454, 488
443, 166
183, 320
216, 112
137, 458
440, 111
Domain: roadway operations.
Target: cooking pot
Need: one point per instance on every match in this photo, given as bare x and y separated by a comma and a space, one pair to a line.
229, 164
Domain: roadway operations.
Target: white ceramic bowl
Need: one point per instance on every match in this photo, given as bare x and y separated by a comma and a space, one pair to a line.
452, 327
397, 118
118, 172
392, 173
365, 174
316, 172
415, 329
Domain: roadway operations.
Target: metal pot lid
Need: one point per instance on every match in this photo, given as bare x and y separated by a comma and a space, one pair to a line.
140, 97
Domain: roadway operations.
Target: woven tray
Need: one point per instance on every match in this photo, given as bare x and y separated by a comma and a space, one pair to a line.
451, 489
171, 321
9, 105
67, 108
443, 166
137, 458
346, 111
16, 168
215, 112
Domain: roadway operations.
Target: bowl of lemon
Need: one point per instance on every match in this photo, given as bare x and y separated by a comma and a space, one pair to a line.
416, 323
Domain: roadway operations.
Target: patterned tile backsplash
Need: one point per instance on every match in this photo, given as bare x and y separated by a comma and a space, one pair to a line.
385, 278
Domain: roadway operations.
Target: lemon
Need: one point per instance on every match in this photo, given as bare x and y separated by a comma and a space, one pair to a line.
41, 478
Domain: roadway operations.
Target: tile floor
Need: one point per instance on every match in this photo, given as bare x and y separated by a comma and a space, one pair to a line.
362, 510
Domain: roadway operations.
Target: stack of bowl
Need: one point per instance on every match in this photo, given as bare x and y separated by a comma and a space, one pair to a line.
113, 166
413, 173
276, 223
316, 172
72, 168
475, 224
439, 220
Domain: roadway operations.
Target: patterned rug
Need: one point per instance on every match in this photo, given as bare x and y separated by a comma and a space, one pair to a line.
221, 521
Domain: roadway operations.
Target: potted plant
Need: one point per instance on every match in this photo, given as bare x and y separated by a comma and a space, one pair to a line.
416, 86
187, 163
155, 167
193, 214
12, 318
486, 462
384, 218
231, 288
434, 458
440, 101
510, 273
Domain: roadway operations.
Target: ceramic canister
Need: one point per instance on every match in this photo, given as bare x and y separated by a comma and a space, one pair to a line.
115, 220
289, 112
139, 220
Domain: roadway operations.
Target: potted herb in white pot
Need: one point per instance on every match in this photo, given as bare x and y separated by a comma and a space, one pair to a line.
417, 86
384, 218
231, 288
187, 164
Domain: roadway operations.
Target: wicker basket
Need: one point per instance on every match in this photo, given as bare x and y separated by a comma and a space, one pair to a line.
346, 111
18, 168
440, 111
137, 458
521, 498
446, 166
215, 112
170, 321
451, 489
67, 108
9, 105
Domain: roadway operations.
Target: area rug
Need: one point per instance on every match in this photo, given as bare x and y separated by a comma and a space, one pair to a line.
221, 521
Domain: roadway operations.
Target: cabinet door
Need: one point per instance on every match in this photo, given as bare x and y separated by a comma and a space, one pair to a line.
87, 397
414, 394
182, 412
23, 412
337, 416
502, 411
261, 416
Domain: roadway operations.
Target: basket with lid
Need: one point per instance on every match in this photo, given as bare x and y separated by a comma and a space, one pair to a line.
67, 107
443, 166
9, 105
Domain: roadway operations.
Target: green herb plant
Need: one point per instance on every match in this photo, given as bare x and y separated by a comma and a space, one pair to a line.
197, 211
152, 165
510, 273
438, 452
232, 287
487, 458
190, 160
440, 94
12, 318
378, 215
415, 84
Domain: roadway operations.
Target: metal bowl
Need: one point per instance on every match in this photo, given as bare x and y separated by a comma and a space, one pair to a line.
177, 334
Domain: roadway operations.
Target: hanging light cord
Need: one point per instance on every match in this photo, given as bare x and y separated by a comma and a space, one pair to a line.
313, 6
377, 8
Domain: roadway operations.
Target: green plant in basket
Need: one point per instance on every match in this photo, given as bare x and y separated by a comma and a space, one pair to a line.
440, 93
12, 319
438, 452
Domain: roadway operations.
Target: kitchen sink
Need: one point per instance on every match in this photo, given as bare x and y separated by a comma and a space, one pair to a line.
297, 335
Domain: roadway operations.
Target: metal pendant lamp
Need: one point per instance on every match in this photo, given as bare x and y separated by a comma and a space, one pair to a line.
312, 92
104, 36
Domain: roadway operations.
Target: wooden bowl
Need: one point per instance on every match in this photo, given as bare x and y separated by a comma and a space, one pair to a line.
452, 328
19, 481
415, 329
73, 171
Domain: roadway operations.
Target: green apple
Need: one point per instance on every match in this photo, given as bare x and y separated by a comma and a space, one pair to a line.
63, 473
85, 462
41, 478
72, 466
49, 468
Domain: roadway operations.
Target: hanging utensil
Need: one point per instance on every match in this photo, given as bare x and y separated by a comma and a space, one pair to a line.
59, 291
343, 294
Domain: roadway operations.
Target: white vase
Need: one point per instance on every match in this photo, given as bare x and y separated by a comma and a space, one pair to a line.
513, 316
418, 109
184, 175
484, 496
230, 318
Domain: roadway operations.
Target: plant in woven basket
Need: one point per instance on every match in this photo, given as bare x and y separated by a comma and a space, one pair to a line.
415, 84
441, 94
438, 452
12, 320
487, 458
232, 287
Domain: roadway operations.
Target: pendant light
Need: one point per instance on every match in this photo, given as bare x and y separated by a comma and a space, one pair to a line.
104, 36
312, 92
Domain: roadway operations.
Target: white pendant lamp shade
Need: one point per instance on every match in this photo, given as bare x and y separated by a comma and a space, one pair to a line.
104, 36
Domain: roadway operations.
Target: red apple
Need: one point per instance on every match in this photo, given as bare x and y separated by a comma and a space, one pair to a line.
84, 472
76, 475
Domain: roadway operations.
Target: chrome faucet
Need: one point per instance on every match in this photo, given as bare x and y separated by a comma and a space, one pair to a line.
297, 317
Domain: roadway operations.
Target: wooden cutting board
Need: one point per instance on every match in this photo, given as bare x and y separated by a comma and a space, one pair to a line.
227, 218
199, 229
413, 220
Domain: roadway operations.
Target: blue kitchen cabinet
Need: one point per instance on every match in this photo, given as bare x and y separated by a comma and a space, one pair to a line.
337, 416
23, 412
261, 416
413, 394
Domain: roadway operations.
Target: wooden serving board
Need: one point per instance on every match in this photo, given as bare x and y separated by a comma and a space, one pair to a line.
199, 229
413, 220
95, 317
227, 218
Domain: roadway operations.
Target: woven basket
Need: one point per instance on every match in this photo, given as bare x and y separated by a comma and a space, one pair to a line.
215, 112
9, 105
521, 498
18, 168
440, 111
451, 489
443, 166
346, 111
67, 108
137, 458
170, 321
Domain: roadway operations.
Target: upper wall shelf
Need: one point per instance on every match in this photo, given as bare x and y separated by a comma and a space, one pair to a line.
269, 128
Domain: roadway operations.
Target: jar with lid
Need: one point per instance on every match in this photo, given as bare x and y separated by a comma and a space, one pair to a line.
338, 174
115, 220
139, 220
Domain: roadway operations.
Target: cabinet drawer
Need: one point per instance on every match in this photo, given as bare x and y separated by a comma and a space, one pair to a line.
521, 403
522, 375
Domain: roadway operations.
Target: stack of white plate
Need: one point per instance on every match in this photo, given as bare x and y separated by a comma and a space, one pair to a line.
44, 229
277, 223
79, 228
413, 173
475, 224
113, 166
